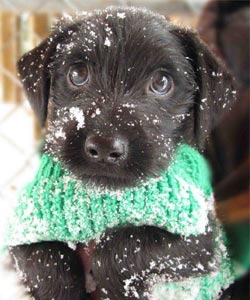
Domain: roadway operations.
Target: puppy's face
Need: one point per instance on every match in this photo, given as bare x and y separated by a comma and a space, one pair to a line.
120, 90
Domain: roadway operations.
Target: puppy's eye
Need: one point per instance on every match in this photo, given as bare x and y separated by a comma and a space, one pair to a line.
161, 83
78, 75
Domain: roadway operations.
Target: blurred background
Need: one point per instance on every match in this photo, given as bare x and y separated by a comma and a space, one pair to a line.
223, 25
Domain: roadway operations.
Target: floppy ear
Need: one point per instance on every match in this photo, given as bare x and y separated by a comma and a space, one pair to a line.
33, 68
34, 74
215, 93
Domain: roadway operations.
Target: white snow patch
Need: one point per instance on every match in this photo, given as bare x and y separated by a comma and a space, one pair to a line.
77, 114
98, 111
72, 245
107, 42
121, 15
60, 134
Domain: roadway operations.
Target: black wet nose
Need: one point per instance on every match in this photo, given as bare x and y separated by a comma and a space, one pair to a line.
106, 149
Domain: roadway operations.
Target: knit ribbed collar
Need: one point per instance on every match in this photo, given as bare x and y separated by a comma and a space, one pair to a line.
56, 207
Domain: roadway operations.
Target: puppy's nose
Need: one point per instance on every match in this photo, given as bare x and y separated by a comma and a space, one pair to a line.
106, 149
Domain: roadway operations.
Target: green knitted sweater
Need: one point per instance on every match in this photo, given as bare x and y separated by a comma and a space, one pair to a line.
57, 207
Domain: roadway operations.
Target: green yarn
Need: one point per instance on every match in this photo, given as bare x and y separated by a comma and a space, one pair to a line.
56, 207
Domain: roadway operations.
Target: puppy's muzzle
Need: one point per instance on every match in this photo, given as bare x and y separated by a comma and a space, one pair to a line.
106, 150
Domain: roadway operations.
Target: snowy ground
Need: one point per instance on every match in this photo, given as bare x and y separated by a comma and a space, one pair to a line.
18, 161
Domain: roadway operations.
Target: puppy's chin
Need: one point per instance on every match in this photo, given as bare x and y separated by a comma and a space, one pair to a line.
114, 177
108, 177
110, 182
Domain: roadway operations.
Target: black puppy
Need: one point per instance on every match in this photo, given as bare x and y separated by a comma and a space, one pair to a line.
141, 86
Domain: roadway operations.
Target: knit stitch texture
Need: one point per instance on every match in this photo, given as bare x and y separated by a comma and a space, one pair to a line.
56, 207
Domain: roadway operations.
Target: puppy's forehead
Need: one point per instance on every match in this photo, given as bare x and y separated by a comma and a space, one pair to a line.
130, 33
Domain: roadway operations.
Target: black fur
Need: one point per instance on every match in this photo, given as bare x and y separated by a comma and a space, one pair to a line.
140, 44
50, 270
137, 253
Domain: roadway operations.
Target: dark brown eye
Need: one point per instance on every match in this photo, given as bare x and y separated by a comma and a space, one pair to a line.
161, 83
78, 74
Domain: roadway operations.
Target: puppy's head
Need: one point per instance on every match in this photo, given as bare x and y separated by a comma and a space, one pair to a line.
120, 89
